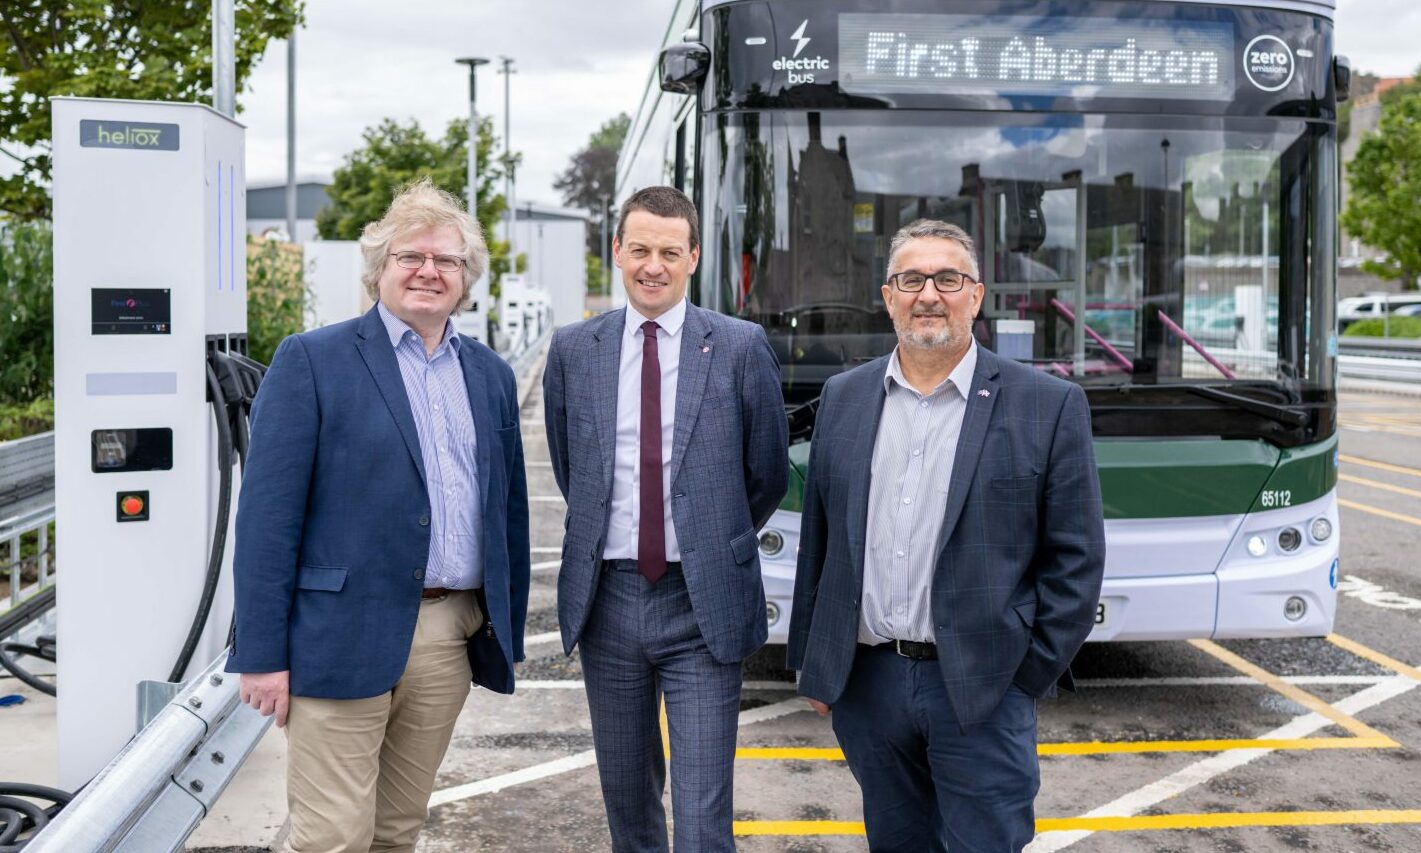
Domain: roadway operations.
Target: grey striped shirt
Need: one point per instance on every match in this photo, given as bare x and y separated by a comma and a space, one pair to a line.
907, 498
439, 401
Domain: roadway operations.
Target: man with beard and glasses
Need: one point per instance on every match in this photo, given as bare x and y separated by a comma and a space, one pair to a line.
950, 562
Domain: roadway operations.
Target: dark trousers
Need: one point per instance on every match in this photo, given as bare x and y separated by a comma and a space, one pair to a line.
641, 642
929, 783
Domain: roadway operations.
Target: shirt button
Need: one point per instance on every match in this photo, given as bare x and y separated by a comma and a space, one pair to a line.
424, 521
419, 574
900, 610
900, 553
917, 452
907, 500
923, 405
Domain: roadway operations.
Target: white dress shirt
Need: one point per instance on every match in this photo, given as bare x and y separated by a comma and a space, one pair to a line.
913, 455
625, 522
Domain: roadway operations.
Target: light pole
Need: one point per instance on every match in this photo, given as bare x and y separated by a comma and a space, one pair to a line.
478, 328
606, 282
507, 73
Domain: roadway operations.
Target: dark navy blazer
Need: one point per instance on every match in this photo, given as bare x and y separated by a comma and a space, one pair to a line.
1022, 547
333, 521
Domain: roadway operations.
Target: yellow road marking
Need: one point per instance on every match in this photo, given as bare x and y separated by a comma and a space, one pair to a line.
1384, 513
665, 731
1375, 656
1291, 691
1378, 484
1384, 466
1128, 747
1137, 823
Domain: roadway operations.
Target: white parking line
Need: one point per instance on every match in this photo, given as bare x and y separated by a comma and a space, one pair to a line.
1228, 680
1202, 771
587, 758
544, 565
575, 684
545, 499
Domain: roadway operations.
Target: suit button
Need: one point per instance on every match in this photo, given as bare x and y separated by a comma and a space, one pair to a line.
424, 521
419, 574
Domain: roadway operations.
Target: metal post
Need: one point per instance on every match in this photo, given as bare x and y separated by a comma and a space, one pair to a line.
512, 215
291, 137
224, 59
606, 247
43, 554
15, 570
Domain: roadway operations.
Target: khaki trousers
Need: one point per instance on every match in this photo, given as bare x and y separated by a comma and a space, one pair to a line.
359, 772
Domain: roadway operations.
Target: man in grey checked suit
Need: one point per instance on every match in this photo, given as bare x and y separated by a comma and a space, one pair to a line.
950, 562
668, 438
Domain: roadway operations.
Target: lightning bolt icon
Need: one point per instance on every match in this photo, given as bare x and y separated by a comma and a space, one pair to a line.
799, 37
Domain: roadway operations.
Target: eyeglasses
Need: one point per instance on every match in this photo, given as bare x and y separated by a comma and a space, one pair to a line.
415, 260
946, 281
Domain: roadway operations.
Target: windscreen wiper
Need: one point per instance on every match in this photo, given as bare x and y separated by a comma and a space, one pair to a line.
1282, 414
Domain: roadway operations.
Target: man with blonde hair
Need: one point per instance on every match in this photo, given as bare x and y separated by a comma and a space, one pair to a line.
382, 536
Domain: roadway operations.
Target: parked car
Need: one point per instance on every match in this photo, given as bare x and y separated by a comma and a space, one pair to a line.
1374, 305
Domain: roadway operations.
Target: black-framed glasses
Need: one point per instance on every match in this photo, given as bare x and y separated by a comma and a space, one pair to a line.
415, 260
946, 281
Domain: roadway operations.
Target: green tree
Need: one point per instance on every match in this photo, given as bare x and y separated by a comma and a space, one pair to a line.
394, 154
276, 295
592, 171
26, 313
1385, 179
157, 51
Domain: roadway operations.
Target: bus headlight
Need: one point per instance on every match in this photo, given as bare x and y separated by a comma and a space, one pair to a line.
771, 543
1321, 529
1294, 608
772, 613
1289, 538
1257, 545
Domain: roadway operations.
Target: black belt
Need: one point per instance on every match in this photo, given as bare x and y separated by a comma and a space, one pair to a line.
631, 566
909, 649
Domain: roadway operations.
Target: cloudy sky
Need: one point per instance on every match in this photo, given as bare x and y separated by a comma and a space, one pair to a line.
578, 62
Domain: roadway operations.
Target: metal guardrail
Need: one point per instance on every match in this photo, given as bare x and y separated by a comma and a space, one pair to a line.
1387, 347
26, 505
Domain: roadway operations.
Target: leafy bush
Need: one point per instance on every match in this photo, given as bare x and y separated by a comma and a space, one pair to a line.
1399, 327
276, 295
18, 421
26, 313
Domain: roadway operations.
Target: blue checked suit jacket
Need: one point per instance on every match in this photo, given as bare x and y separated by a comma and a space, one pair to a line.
333, 522
1022, 549
729, 466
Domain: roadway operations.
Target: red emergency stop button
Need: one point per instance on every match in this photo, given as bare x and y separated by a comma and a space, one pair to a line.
132, 506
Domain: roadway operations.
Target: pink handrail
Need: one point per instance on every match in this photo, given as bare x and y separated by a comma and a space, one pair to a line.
1198, 347
1115, 354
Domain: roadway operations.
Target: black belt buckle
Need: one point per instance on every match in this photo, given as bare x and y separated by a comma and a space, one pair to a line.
915, 651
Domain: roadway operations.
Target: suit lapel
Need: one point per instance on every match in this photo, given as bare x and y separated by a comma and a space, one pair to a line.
481, 405
970, 441
696, 354
374, 346
869, 399
606, 368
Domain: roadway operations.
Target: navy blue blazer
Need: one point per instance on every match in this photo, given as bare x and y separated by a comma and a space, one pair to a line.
333, 519
1022, 548
729, 466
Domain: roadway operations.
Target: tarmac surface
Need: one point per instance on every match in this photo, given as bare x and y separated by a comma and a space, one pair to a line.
1167, 747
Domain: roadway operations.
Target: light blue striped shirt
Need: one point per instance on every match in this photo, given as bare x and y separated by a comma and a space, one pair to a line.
439, 401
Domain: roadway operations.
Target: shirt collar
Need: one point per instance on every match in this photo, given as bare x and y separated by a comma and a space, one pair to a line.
670, 322
961, 375
397, 329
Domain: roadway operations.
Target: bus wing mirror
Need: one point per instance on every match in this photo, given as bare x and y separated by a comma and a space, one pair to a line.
1342, 77
683, 66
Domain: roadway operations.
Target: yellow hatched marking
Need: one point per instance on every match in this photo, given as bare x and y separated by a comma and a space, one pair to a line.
798, 827
1137, 823
1291, 691
1384, 513
1378, 484
1382, 466
1375, 656
1129, 747
665, 731
1145, 823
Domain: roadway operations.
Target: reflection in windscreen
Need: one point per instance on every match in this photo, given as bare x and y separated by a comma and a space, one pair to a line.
1115, 249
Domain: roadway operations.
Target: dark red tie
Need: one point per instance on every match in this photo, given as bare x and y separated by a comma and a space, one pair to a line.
651, 536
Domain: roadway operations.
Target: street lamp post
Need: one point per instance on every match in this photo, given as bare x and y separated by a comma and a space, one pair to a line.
478, 327
508, 73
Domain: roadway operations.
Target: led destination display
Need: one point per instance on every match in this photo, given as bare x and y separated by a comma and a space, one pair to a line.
1060, 56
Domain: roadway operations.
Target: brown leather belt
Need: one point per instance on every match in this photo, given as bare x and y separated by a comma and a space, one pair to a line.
435, 592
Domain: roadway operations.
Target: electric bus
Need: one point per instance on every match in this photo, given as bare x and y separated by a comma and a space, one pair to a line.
1152, 187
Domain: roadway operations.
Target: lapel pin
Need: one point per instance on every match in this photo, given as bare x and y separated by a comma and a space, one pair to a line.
983, 392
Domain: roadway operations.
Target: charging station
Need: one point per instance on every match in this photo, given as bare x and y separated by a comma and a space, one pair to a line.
149, 281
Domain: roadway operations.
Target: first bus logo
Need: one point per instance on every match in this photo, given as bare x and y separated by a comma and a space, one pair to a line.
801, 70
